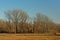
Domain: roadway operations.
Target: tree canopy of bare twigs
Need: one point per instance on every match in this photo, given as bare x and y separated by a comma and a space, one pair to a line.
15, 17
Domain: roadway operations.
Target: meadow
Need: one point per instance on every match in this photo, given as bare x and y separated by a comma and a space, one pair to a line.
27, 37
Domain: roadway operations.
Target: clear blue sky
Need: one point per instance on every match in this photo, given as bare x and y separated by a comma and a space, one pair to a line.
51, 8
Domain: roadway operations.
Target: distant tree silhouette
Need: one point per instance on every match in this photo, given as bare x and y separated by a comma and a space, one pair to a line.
40, 23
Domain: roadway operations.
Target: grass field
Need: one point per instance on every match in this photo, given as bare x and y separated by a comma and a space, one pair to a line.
27, 37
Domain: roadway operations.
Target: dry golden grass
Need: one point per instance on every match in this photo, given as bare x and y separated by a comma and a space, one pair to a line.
27, 37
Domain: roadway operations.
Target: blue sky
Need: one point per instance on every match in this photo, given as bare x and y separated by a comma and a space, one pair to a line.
51, 8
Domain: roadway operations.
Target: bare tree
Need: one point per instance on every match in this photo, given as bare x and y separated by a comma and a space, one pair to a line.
15, 17
40, 23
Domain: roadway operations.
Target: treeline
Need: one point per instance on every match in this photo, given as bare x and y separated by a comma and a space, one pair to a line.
18, 21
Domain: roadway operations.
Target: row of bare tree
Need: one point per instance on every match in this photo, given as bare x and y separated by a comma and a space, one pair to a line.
18, 21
